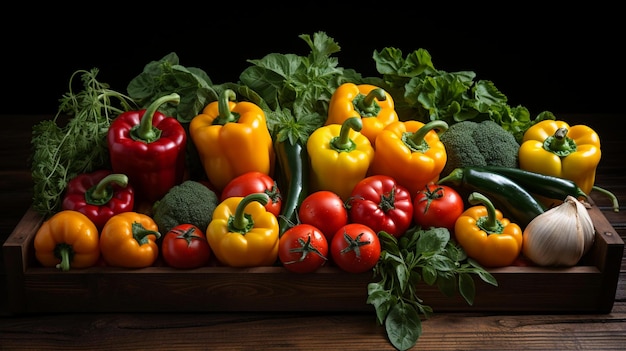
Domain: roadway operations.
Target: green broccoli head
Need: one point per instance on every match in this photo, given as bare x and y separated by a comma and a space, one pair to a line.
471, 143
190, 202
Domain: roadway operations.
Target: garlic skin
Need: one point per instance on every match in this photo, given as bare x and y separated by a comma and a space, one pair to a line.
561, 236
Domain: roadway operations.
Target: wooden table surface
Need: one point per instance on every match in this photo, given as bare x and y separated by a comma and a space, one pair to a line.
305, 331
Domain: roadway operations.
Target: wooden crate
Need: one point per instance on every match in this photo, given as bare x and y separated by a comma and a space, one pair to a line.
587, 287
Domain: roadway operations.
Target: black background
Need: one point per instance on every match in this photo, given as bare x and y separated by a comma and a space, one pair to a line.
566, 60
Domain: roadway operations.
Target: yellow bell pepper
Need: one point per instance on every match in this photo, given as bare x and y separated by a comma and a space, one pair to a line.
68, 239
243, 233
340, 157
411, 153
128, 240
486, 236
372, 104
554, 148
232, 139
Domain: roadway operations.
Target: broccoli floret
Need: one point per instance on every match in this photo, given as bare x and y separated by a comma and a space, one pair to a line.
471, 143
190, 202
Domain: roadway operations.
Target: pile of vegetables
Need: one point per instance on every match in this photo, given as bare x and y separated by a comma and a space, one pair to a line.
302, 163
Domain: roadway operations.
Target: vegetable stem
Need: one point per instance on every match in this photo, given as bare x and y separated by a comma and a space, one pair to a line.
612, 196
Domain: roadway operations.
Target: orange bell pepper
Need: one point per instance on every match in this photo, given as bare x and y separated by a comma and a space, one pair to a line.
232, 139
486, 236
554, 148
128, 240
372, 104
411, 153
67, 239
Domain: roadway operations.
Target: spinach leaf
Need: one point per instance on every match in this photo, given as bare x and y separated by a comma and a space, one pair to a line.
423, 93
297, 89
419, 256
167, 76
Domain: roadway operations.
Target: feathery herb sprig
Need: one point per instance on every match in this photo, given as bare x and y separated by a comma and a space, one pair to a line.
61, 152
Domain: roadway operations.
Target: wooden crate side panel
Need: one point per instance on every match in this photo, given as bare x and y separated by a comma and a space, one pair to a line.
608, 251
207, 290
34, 289
18, 253
275, 289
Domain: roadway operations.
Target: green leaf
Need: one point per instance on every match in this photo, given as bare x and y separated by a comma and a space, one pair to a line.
447, 284
443, 263
429, 274
389, 243
402, 275
482, 273
390, 61
167, 76
322, 46
404, 326
423, 93
381, 299
433, 240
467, 287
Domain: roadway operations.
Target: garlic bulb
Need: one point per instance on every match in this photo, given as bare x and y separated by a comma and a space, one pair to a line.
560, 236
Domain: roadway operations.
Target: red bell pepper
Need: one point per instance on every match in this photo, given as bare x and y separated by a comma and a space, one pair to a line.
149, 147
99, 195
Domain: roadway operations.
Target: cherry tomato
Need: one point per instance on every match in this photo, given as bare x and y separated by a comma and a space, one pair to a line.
324, 210
255, 182
437, 206
355, 248
185, 246
303, 248
381, 203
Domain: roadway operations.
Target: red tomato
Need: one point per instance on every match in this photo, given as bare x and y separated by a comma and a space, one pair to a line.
324, 210
355, 248
255, 182
437, 206
185, 246
380, 203
303, 248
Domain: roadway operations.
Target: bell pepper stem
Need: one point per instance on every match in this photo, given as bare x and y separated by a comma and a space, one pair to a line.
225, 114
102, 192
64, 252
241, 222
145, 131
140, 233
415, 141
490, 223
343, 143
367, 106
559, 143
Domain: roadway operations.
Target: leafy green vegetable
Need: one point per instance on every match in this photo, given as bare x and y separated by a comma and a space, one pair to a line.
423, 93
427, 256
60, 153
296, 89
167, 76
